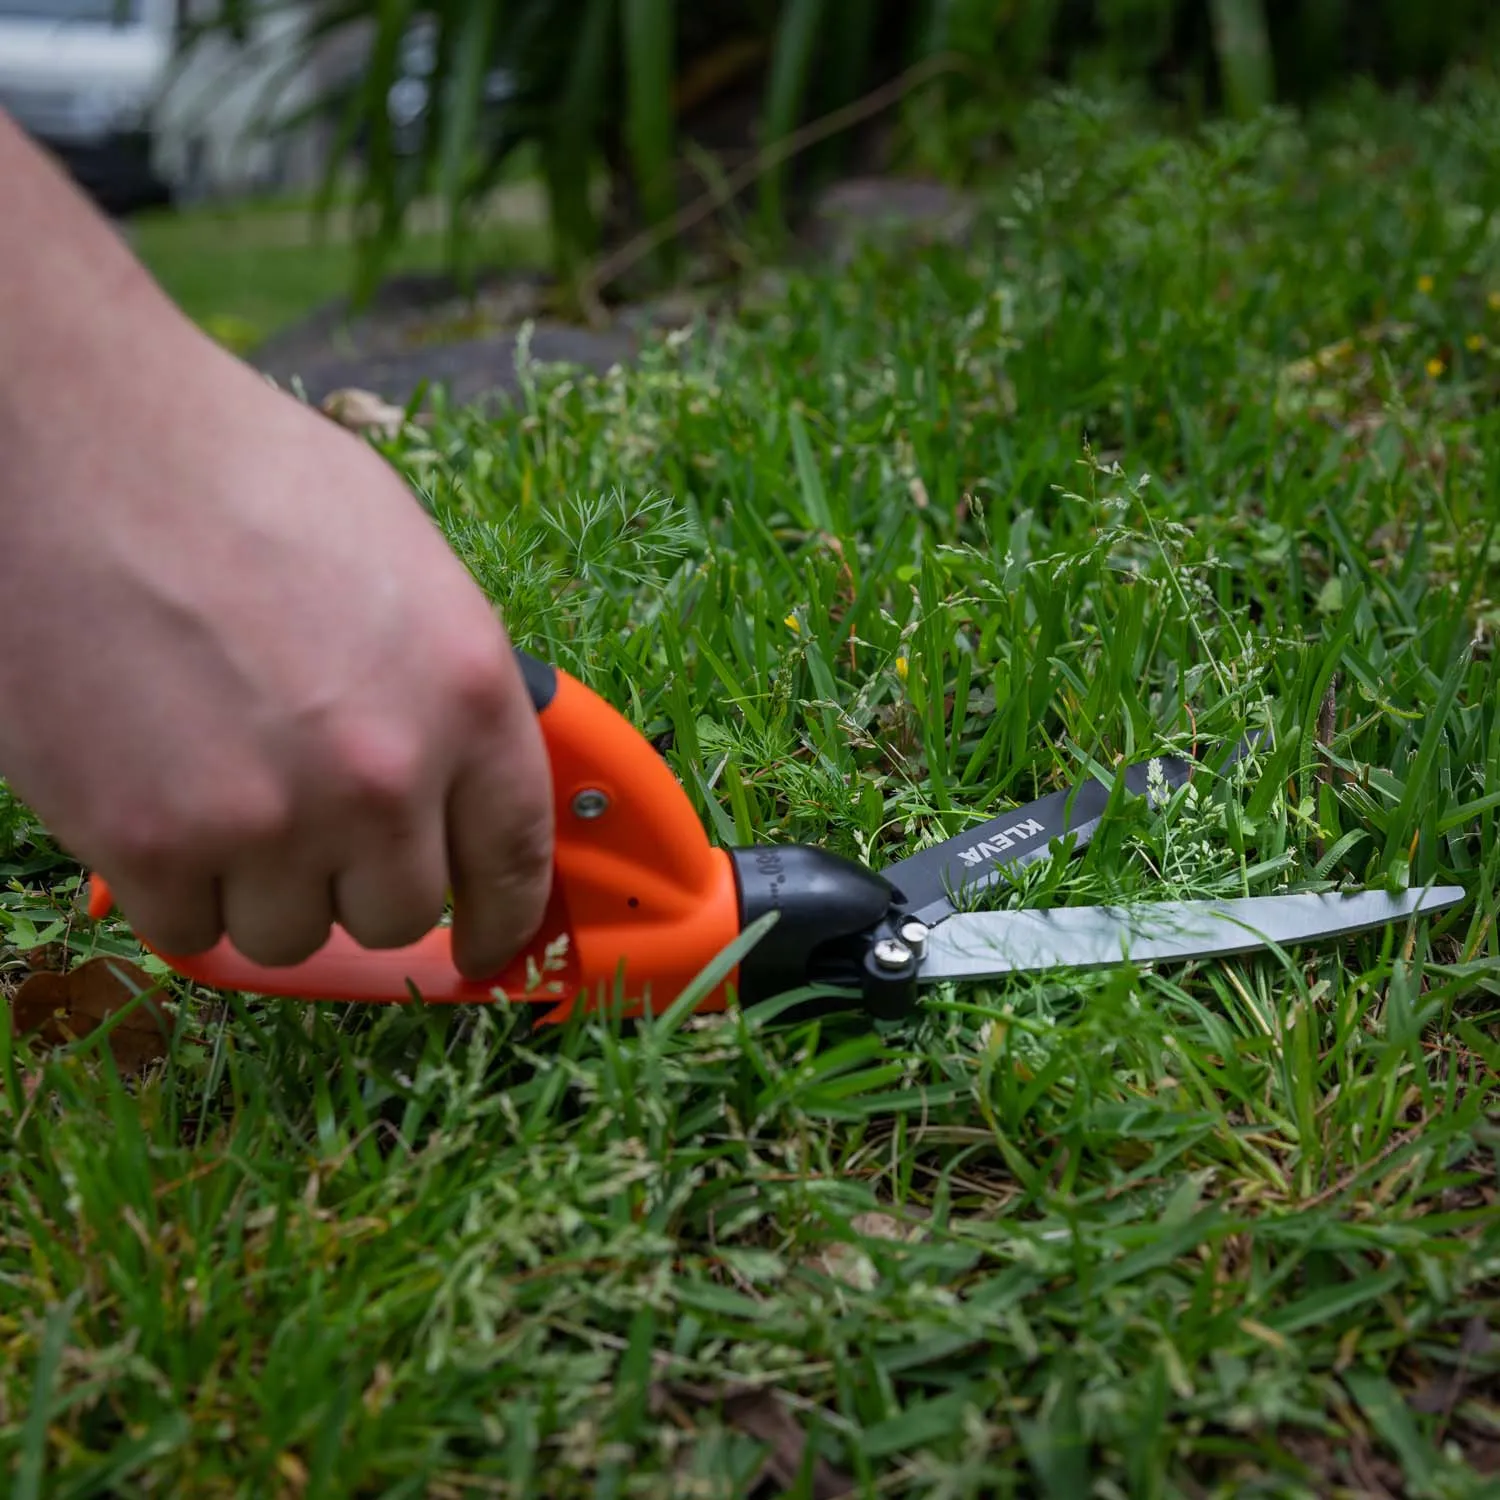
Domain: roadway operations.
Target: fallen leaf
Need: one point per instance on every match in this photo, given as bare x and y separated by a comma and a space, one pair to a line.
60, 1008
378, 1393
1443, 1392
848, 1263
1477, 1337
363, 411
293, 1470
48, 956
875, 1225
759, 1414
1344, 1465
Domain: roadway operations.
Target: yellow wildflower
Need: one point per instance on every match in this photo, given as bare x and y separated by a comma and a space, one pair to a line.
902, 668
1424, 284
1474, 342
1495, 301
791, 624
1435, 367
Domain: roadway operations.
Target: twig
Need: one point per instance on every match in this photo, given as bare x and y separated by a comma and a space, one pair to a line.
615, 264
1327, 726
1378, 1160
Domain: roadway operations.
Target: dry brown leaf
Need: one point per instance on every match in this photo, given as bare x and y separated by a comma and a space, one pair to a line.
364, 411
47, 956
60, 1008
758, 1413
848, 1263
1442, 1393
293, 1470
881, 1226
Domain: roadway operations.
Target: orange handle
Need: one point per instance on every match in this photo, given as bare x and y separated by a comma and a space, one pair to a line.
640, 899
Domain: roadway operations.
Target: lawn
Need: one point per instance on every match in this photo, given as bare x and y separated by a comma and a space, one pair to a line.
246, 270
1197, 437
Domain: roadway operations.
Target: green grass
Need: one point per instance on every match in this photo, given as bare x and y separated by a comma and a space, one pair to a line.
244, 271
912, 543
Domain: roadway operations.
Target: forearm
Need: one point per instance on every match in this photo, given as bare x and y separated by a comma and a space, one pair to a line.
79, 315
311, 713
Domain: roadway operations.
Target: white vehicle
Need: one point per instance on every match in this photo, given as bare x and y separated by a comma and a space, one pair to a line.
83, 77
101, 83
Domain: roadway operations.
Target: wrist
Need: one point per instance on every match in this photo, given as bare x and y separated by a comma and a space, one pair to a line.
84, 329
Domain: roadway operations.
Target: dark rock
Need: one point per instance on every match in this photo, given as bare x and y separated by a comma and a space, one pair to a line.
470, 370
425, 328
887, 211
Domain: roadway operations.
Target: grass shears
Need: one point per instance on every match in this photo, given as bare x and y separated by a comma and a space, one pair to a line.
642, 901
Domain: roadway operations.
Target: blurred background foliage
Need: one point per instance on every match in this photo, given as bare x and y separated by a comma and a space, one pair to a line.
630, 110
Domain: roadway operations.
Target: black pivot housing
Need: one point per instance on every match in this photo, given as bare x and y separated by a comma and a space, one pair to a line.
837, 927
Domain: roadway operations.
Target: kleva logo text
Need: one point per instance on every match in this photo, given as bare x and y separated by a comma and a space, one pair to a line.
1006, 838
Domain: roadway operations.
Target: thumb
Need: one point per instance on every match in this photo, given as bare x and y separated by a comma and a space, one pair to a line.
501, 839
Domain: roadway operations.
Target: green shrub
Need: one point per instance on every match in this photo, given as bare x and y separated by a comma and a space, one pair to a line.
616, 88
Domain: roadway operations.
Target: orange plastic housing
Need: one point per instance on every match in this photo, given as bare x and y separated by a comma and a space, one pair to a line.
640, 903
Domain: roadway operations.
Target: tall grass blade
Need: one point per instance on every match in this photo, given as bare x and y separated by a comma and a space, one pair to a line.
33, 1450
462, 95
568, 143
1242, 49
796, 37
650, 44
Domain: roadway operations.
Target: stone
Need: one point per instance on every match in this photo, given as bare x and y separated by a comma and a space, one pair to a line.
888, 210
470, 370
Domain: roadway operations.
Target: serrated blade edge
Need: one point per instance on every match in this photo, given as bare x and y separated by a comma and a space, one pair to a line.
984, 945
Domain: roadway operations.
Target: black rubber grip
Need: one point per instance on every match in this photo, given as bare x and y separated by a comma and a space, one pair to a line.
541, 680
828, 907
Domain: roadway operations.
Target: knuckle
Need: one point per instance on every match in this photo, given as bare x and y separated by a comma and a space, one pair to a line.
378, 768
141, 838
258, 814
477, 678
188, 832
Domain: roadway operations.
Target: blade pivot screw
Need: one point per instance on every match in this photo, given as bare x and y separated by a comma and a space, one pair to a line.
891, 953
590, 803
914, 935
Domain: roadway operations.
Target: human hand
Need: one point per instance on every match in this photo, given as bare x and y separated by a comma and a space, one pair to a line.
261, 694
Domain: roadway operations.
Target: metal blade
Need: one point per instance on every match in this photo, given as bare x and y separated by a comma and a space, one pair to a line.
982, 945
933, 880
